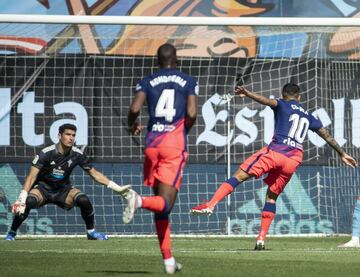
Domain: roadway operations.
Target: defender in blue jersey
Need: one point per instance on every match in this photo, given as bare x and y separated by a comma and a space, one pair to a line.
171, 97
49, 182
280, 159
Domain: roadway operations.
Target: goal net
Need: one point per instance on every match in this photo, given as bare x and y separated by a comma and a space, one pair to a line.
54, 73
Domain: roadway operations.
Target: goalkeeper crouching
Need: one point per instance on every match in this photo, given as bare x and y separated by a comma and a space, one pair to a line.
49, 182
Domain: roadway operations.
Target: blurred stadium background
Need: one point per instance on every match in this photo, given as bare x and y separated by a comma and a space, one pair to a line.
86, 73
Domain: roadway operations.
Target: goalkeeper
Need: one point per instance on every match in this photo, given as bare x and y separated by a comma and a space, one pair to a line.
48, 182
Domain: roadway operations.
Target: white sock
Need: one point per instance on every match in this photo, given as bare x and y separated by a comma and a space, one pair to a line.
170, 261
90, 230
138, 201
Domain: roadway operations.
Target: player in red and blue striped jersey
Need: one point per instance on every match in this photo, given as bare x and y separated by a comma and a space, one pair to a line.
171, 98
280, 159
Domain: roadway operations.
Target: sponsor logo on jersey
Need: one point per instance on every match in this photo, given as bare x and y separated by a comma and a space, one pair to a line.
158, 127
293, 143
58, 173
35, 160
197, 89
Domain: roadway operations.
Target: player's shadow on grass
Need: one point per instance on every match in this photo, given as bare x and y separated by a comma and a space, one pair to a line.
116, 272
248, 250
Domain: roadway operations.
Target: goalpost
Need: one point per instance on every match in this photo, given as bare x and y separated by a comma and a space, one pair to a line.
83, 69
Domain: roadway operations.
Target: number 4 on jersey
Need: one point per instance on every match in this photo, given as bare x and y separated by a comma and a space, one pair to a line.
165, 105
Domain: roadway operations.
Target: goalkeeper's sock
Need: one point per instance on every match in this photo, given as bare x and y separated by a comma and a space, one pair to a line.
356, 221
31, 203
225, 189
163, 233
87, 211
17, 221
156, 204
89, 231
267, 217
12, 233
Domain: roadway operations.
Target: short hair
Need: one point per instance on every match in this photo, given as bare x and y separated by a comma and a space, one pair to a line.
65, 126
166, 54
291, 89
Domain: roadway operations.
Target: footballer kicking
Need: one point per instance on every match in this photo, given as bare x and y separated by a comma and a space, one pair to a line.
172, 101
49, 182
280, 159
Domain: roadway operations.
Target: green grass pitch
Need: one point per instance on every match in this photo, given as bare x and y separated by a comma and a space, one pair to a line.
200, 257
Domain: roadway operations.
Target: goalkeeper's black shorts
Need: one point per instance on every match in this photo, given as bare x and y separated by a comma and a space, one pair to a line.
57, 196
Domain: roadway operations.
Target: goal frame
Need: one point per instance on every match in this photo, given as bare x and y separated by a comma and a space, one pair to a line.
181, 20
190, 21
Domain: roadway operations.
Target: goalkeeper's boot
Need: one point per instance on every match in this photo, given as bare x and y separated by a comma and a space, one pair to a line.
260, 245
10, 236
350, 243
202, 209
131, 207
96, 236
172, 269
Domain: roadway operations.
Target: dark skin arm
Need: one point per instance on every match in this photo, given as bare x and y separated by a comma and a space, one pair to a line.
347, 159
135, 108
191, 112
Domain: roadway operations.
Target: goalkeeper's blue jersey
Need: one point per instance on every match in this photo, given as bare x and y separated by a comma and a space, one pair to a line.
166, 95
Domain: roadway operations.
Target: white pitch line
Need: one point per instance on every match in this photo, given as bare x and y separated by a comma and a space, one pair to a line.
122, 250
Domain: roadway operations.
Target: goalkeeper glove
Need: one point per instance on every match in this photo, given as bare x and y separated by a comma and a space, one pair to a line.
122, 190
19, 206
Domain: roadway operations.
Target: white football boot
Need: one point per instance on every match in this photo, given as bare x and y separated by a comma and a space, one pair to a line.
172, 269
131, 207
354, 242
